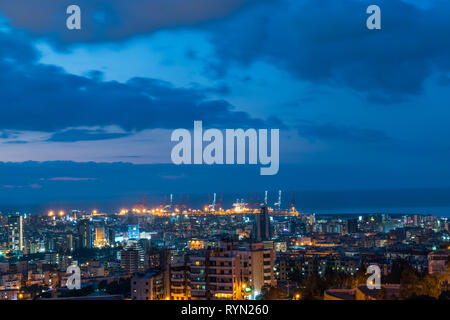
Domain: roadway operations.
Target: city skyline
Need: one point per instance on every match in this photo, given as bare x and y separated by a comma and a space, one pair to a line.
253, 252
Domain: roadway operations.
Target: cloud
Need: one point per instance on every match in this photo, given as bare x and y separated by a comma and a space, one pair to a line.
328, 42
74, 135
38, 97
70, 179
322, 42
17, 142
109, 20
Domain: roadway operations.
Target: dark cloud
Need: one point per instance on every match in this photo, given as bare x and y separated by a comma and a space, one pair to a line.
110, 20
39, 97
320, 41
70, 179
17, 142
5, 135
327, 42
74, 135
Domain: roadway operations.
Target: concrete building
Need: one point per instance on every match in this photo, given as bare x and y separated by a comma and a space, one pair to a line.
262, 225
179, 279
84, 234
148, 286
100, 239
257, 266
133, 258
215, 275
15, 233
437, 261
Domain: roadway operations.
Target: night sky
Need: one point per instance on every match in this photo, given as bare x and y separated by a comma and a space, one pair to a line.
86, 115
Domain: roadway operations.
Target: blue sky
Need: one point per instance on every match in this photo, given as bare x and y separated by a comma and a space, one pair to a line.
358, 109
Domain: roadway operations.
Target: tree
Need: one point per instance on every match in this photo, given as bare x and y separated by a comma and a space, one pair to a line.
409, 283
431, 285
295, 275
313, 287
445, 295
274, 293
79, 292
34, 290
102, 285
123, 287
382, 295
357, 279
396, 271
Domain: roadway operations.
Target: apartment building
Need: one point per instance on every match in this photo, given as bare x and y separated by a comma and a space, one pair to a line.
148, 286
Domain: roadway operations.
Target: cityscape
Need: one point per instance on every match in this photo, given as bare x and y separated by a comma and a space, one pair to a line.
211, 157
252, 251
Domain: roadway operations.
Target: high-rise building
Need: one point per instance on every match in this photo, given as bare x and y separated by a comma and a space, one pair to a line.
69, 240
85, 233
179, 278
100, 240
31, 246
262, 225
111, 237
149, 286
133, 232
352, 226
257, 266
129, 260
257, 262
133, 259
15, 233
215, 275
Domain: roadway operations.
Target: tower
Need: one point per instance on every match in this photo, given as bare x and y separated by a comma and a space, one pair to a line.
85, 233
15, 233
262, 224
